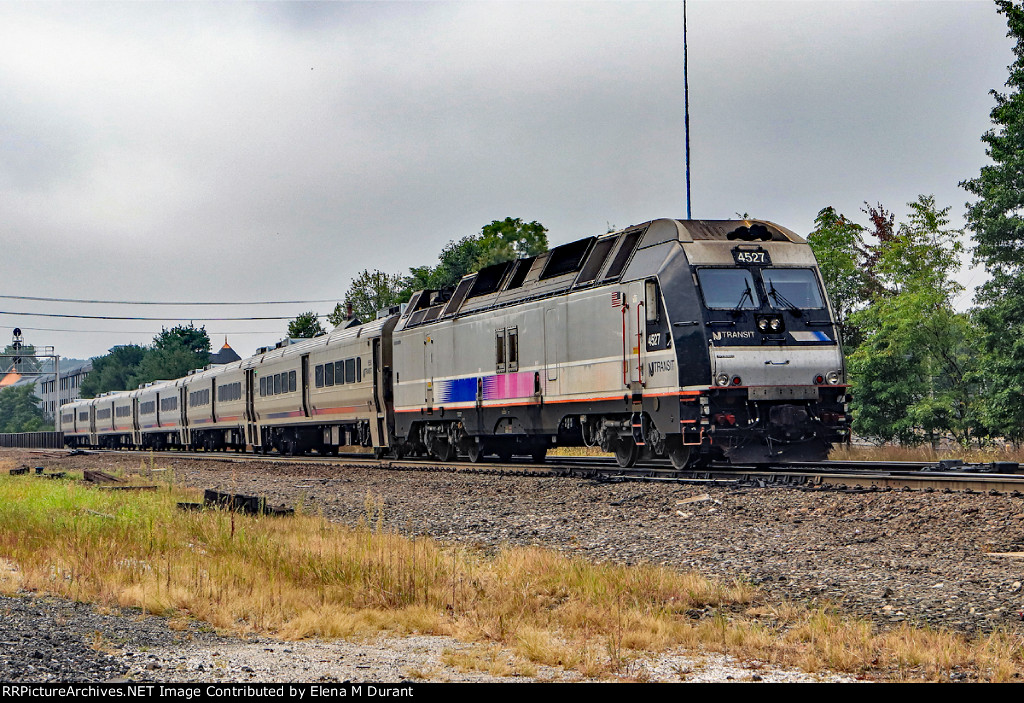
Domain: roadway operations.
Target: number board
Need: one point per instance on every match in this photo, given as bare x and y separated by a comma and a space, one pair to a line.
747, 257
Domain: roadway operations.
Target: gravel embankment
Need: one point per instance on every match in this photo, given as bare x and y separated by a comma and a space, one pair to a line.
948, 560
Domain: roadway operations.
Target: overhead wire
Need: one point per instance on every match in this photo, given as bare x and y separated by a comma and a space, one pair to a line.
149, 319
80, 331
153, 302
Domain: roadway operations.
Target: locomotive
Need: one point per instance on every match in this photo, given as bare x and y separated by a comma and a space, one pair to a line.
691, 340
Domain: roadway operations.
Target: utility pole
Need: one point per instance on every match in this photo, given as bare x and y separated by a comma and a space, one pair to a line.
686, 113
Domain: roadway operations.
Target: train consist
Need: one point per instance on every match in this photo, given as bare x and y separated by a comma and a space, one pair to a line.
686, 339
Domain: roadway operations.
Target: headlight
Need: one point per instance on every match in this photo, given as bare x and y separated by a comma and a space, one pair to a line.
775, 324
762, 325
832, 377
722, 379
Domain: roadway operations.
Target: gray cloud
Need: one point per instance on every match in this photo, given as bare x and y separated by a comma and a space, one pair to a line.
272, 150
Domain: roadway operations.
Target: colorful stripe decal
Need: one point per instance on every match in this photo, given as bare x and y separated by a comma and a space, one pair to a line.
340, 411
813, 336
503, 386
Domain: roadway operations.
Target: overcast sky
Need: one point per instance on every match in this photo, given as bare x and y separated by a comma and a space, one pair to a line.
270, 151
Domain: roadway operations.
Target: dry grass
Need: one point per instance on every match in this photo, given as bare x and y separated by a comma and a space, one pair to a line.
526, 607
926, 453
578, 451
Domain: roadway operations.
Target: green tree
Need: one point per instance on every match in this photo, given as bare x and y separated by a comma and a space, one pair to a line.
113, 371
509, 239
997, 222
371, 291
914, 373
501, 240
838, 245
338, 316
20, 411
305, 325
174, 353
194, 339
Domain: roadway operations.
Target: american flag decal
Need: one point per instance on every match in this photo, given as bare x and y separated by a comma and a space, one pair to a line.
616, 299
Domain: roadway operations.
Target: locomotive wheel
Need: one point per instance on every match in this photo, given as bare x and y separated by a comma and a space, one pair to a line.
442, 450
474, 451
626, 453
678, 453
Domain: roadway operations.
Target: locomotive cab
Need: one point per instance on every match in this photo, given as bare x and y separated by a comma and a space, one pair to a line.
773, 388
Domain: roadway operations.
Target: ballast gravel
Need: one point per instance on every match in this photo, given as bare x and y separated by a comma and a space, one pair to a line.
949, 560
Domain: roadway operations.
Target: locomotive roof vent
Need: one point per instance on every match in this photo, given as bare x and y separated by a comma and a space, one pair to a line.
755, 232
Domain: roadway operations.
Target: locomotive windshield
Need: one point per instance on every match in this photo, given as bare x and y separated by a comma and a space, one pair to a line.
728, 288
792, 288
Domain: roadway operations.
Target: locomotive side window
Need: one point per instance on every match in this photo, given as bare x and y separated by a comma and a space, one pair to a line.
792, 287
350, 370
499, 350
731, 289
513, 348
651, 298
320, 376
339, 372
291, 382
329, 374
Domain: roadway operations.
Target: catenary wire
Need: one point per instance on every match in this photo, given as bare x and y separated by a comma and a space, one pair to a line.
152, 302
149, 319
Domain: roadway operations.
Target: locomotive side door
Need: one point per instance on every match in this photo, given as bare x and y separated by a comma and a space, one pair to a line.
250, 413
634, 332
555, 346
377, 378
428, 373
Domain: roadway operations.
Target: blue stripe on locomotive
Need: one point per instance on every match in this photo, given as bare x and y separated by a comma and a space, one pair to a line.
459, 390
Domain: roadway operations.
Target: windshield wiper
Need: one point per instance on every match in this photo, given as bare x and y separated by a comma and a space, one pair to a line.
746, 294
780, 298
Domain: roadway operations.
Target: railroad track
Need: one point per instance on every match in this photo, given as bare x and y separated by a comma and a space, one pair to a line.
855, 476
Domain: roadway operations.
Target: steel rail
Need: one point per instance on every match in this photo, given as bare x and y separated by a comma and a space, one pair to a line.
846, 475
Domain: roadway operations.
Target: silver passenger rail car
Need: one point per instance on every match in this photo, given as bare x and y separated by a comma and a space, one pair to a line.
215, 407
161, 415
325, 394
76, 424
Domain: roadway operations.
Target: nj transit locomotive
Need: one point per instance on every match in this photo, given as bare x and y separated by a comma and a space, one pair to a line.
686, 339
